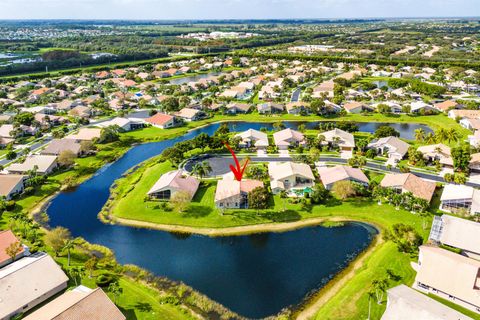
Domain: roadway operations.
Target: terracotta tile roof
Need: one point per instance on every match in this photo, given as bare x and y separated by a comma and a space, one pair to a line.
6, 239
159, 119
411, 183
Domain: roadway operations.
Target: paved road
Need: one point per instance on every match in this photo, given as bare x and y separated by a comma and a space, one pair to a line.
296, 95
220, 166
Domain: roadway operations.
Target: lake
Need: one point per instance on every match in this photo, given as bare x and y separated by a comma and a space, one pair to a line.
254, 275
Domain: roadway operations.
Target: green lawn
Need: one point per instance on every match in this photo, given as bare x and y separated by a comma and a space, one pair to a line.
434, 122
351, 301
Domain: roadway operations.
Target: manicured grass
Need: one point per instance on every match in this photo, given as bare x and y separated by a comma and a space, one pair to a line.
141, 302
130, 193
435, 122
137, 301
351, 302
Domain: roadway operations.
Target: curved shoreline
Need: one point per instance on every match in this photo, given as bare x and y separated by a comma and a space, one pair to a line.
239, 230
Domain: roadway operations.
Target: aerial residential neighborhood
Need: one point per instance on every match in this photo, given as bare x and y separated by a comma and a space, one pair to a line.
256, 168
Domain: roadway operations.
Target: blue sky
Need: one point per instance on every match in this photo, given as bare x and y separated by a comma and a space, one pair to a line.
233, 9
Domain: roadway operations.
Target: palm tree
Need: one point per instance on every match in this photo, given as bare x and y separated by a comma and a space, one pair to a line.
419, 134
370, 293
201, 169
116, 290
207, 168
441, 135
430, 138
283, 195
452, 135
380, 286
75, 273
69, 245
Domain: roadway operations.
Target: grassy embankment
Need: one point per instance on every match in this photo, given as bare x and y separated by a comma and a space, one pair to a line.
87, 166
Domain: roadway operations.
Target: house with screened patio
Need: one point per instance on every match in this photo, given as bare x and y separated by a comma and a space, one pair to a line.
460, 198
171, 183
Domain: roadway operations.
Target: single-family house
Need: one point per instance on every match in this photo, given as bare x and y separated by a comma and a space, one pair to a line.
125, 124
460, 198
330, 175
7, 238
297, 107
85, 134
235, 107
405, 303
11, 185
324, 89
28, 282
408, 182
470, 123
190, 114
395, 148
419, 106
233, 194
290, 175
253, 138
339, 139
57, 146
474, 139
80, 111
43, 164
171, 183
446, 106
354, 107
437, 152
448, 275
287, 138
270, 107
464, 113
79, 303
458, 233
161, 120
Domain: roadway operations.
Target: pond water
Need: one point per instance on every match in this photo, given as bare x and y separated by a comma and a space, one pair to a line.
194, 78
254, 275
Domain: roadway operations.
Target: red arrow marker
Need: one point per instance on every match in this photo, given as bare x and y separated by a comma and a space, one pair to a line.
238, 171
